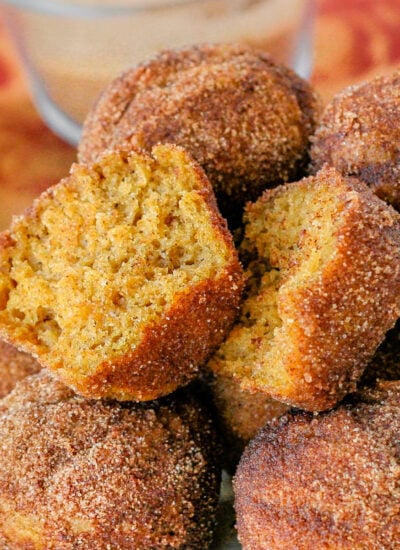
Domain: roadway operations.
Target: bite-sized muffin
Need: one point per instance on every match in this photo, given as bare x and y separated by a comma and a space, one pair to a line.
358, 134
326, 481
244, 117
123, 277
323, 266
95, 474
241, 413
14, 366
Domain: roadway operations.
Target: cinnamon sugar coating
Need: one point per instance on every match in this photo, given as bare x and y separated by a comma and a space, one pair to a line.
385, 364
323, 268
123, 278
77, 473
329, 481
241, 414
359, 134
15, 365
244, 117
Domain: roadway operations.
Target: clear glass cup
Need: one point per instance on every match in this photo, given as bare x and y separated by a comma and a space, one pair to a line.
72, 49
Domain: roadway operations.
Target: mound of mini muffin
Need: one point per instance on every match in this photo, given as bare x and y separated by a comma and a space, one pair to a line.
123, 280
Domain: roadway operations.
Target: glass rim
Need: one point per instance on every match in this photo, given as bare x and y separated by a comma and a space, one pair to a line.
78, 9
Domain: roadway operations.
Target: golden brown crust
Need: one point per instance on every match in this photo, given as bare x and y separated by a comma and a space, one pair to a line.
245, 118
98, 474
326, 481
15, 365
172, 349
181, 336
354, 304
333, 320
358, 134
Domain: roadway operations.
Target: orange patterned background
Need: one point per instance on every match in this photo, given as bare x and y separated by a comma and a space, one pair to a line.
354, 40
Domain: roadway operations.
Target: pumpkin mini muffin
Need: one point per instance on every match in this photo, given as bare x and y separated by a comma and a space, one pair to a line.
122, 278
97, 474
328, 481
358, 134
323, 266
246, 118
14, 366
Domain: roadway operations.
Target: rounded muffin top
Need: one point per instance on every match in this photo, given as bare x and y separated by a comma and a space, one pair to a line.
325, 481
359, 133
244, 117
98, 474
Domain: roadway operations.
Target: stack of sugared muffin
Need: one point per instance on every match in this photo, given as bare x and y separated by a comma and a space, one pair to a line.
164, 349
